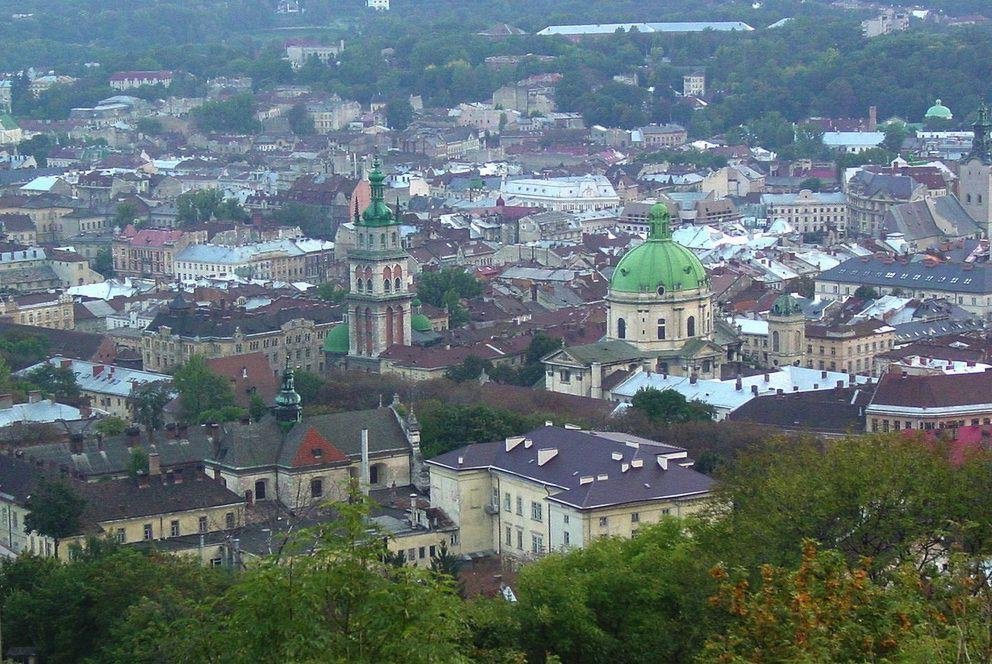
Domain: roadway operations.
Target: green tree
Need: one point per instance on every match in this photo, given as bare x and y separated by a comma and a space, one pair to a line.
234, 115
300, 122
149, 401
38, 146
257, 408
337, 601
110, 426
124, 214
866, 293
197, 206
669, 406
201, 390
104, 262
308, 385
895, 134
444, 427
56, 382
150, 126
399, 113
137, 462
435, 287
813, 184
469, 369
331, 292
54, 510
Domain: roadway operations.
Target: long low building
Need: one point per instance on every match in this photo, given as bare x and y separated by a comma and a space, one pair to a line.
591, 29
967, 284
565, 194
726, 396
285, 260
906, 401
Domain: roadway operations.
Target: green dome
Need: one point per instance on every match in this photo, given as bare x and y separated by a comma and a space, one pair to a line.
377, 213
786, 305
337, 340
939, 112
659, 265
420, 323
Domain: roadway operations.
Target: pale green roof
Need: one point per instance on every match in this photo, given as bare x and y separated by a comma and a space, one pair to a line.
660, 264
337, 339
939, 112
7, 122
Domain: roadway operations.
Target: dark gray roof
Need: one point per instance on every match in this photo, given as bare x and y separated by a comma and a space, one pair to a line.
217, 325
942, 217
836, 411
261, 444
606, 351
146, 496
111, 455
582, 455
882, 185
17, 478
916, 274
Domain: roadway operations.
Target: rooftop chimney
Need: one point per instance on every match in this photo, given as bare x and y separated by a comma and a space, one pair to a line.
693, 378
739, 385
364, 477
34, 396
754, 390
154, 462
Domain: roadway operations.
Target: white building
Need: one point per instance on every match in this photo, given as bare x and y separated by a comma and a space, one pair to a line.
378, 5
807, 211
853, 142
566, 194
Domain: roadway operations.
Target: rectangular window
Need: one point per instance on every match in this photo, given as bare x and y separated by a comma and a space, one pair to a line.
422, 551
536, 513
603, 522
520, 505
507, 502
174, 528
566, 538
635, 517
121, 536
148, 531
520, 540
229, 520
509, 536
316, 488
536, 543
202, 524
564, 519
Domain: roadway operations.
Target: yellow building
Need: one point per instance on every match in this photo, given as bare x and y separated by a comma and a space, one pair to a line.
52, 310
555, 488
851, 348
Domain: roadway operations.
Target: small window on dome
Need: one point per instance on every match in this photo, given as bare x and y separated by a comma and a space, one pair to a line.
661, 290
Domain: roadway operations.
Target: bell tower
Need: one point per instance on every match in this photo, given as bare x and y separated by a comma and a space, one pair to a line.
976, 172
379, 299
786, 332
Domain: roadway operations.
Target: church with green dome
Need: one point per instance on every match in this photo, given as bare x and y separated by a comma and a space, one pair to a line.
660, 317
938, 112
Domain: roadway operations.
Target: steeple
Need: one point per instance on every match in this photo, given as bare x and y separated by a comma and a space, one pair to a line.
377, 213
658, 223
981, 148
288, 406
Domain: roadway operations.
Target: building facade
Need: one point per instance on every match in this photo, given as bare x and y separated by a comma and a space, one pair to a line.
809, 212
975, 172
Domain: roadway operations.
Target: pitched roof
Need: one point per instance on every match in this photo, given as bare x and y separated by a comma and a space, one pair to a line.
249, 373
585, 469
935, 391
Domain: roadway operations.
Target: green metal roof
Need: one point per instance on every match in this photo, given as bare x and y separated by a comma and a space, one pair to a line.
337, 340
7, 122
939, 112
377, 213
786, 305
660, 264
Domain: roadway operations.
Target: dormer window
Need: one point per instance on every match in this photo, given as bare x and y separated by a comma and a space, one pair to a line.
317, 453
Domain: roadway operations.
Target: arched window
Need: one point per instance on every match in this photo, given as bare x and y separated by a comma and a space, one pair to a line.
389, 326
798, 343
968, 198
397, 271
661, 328
775, 343
690, 326
358, 285
398, 284
621, 328
386, 285
394, 238
382, 240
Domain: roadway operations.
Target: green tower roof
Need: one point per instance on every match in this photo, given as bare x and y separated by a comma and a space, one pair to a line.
337, 339
659, 265
377, 213
786, 305
939, 112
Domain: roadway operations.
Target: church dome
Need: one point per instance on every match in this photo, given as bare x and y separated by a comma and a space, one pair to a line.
938, 112
786, 305
337, 340
377, 213
660, 265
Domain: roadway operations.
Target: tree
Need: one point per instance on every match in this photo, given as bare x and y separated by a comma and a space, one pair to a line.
334, 599
110, 426
300, 122
54, 510
399, 113
866, 293
895, 134
38, 146
137, 462
331, 292
197, 206
234, 115
450, 282
444, 427
813, 184
308, 385
149, 401
56, 382
201, 391
820, 612
469, 369
669, 406
125, 213
257, 408
150, 126
104, 262
805, 286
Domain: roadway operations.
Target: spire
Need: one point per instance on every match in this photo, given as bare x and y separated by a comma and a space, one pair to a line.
981, 148
377, 213
288, 406
658, 223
